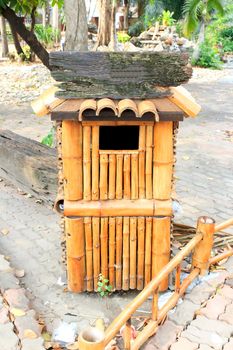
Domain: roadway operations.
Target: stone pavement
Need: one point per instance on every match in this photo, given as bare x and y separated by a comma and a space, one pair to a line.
30, 234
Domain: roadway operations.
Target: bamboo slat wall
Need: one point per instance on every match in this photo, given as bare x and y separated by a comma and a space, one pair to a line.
128, 251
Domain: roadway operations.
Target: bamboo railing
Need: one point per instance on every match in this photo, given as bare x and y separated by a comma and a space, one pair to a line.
201, 246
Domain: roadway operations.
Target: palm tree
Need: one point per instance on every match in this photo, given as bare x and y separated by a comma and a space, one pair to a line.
197, 15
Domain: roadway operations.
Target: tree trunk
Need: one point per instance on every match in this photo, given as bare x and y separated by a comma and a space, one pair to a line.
15, 37
18, 26
141, 8
76, 25
201, 39
5, 49
126, 15
29, 165
105, 23
113, 40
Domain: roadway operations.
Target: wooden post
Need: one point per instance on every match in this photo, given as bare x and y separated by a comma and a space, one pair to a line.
141, 161
126, 254
112, 251
133, 253
95, 163
119, 176
134, 176
89, 253
149, 141
75, 254
104, 247
87, 163
96, 250
127, 176
141, 253
127, 335
154, 308
103, 176
112, 176
91, 339
118, 252
160, 247
177, 278
163, 160
72, 159
148, 250
202, 252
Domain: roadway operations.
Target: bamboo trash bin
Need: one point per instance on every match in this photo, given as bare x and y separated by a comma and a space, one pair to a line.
116, 158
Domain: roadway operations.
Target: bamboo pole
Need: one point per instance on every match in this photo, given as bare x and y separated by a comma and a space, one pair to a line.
163, 160
118, 252
134, 176
89, 253
75, 254
112, 176
104, 176
202, 251
119, 176
127, 176
148, 250
95, 163
141, 161
152, 326
141, 254
133, 253
160, 247
96, 250
177, 278
91, 339
72, 159
223, 225
127, 335
221, 256
112, 250
125, 274
124, 207
120, 320
87, 163
104, 247
149, 141
154, 306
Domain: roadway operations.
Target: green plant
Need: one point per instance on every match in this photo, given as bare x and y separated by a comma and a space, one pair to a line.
104, 288
166, 18
48, 139
209, 56
47, 35
136, 28
123, 37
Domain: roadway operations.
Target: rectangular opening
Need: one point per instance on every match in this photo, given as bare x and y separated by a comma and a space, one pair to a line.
119, 137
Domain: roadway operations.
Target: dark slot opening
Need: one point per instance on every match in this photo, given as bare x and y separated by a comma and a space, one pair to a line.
119, 137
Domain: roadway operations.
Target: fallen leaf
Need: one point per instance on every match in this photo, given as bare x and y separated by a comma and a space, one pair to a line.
46, 336
19, 273
17, 312
30, 334
5, 231
99, 323
73, 346
186, 157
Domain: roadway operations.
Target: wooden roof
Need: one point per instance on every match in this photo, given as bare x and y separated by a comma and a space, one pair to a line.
174, 107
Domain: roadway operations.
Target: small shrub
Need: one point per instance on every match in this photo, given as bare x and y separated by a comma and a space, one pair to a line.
209, 57
48, 139
166, 18
136, 28
104, 288
123, 37
46, 35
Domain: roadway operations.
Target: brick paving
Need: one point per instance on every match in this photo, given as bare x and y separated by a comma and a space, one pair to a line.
204, 187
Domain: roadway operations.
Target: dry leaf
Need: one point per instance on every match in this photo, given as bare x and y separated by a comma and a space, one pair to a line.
73, 346
99, 323
29, 333
19, 273
17, 312
186, 157
5, 231
46, 336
